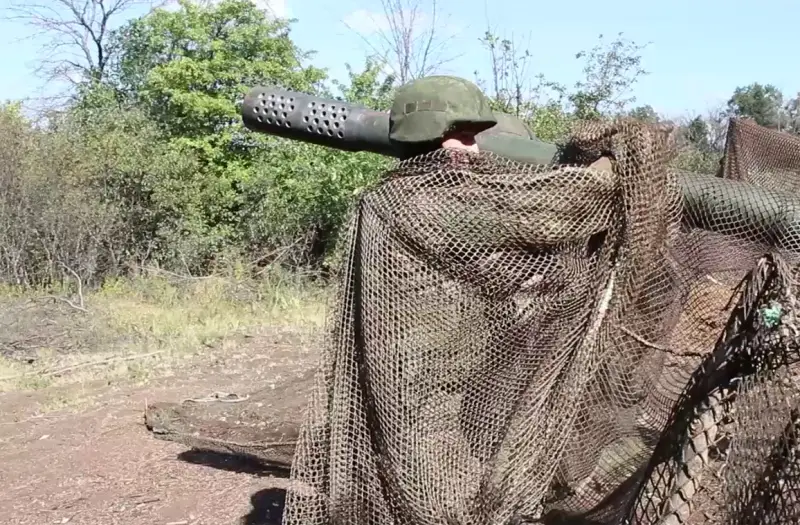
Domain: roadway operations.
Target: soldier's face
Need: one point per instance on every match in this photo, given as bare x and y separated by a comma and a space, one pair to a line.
462, 140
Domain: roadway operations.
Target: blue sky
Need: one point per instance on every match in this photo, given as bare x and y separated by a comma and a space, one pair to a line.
699, 51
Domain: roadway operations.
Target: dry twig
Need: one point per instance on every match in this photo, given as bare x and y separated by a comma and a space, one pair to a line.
58, 371
660, 348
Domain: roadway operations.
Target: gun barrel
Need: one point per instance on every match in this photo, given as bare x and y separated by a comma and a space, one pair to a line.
763, 215
740, 209
326, 122
349, 127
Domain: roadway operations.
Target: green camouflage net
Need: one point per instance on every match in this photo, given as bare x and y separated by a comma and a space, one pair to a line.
736, 409
518, 344
562, 344
761, 156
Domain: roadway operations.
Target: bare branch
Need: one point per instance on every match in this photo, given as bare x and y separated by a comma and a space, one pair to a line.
76, 34
67, 302
79, 282
97, 362
409, 39
512, 87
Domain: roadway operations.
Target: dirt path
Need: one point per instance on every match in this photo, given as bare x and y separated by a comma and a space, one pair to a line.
99, 464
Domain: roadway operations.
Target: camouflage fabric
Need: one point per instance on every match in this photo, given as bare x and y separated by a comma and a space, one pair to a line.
510, 125
518, 149
514, 344
513, 139
425, 110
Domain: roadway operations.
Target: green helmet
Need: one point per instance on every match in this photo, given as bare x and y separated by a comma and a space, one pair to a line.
510, 125
425, 110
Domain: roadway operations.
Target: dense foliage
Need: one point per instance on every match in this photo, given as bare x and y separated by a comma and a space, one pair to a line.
150, 164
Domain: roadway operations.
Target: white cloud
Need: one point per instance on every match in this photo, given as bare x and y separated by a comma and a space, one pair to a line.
373, 27
389, 69
365, 22
276, 8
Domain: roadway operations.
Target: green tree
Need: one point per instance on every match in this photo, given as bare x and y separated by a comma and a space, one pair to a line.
550, 121
761, 102
188, 71
369, 88
89, 192
697, 134
190, 67
698, 150
251, 194
645, 113
610, 71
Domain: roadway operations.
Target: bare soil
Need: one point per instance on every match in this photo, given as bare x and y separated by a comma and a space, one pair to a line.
96, 463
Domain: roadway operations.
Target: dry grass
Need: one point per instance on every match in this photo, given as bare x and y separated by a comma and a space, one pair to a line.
136, 329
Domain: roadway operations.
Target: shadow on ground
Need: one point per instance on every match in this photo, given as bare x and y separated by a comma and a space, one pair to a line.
231, 463
267, 504
267, 509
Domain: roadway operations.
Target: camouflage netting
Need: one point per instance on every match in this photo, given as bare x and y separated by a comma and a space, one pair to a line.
515, 344
763, 471
737, 411
761, 156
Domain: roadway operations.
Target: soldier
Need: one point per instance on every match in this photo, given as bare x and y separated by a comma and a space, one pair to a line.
448, 112
438, 112
451, 112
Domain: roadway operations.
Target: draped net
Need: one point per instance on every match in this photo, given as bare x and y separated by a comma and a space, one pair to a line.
519, 344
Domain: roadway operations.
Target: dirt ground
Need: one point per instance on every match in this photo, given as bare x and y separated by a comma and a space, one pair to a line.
97, 463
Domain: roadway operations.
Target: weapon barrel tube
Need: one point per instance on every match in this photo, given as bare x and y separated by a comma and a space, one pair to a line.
326, 122
741, 209
349, 127
760, 215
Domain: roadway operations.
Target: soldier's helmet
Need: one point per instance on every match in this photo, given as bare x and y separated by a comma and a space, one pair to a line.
510, 125
427, 109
